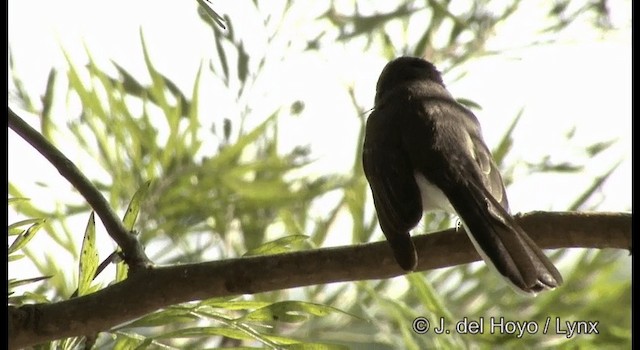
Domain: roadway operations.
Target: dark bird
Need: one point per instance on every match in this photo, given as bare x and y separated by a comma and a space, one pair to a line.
424, 151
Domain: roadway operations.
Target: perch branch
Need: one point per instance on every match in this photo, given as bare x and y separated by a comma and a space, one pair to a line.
159, 287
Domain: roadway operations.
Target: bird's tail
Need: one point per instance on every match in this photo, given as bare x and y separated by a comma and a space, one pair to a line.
404, 251
503, 244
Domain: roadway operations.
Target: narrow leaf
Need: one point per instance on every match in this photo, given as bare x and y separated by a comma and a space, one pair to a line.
277, 246
592, 189
134, 206
88, 257
232, 152
13, 228
16, 283
506, 142
47, 101
26, 236
292, 312
212, 14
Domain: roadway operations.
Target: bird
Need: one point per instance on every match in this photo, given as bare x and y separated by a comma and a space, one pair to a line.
423, 151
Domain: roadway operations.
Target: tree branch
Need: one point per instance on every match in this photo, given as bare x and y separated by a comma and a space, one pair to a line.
159, 287
133, 251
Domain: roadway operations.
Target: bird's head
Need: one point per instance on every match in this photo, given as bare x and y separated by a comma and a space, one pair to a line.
406, 69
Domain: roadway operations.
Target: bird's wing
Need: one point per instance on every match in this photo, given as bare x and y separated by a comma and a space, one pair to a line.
453, 156
395, 192
491, 177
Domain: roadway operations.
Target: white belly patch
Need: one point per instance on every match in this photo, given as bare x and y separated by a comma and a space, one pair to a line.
432, 197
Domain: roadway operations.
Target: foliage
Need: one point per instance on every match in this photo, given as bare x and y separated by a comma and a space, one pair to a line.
191, 203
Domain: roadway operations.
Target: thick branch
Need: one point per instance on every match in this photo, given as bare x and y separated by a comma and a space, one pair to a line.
133, 251
159, 287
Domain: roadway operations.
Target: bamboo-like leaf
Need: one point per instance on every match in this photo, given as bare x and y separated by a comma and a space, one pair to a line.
397, 311
261, 191
596, 148
212, 14
321, 229
354, 197
427, 295
26, 236
13, 200
128, 341
178, 94
469, 103
13, 228
234, 304
158, 83
292, 312
206, 332
15, 283
593, 188
47, 101
222, 56
316, 346
128, 221
225, 157
30, 297
172, 315
88, 258
280, 245
130, 84
226, 129
503, 148
194, 111
15, 256
133, 209
243, 65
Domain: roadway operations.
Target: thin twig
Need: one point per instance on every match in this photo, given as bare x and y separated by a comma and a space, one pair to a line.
133, 251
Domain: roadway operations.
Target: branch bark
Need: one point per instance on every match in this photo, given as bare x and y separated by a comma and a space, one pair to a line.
158, 287
134, 254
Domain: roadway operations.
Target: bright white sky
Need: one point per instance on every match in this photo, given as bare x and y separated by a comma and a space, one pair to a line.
583, 81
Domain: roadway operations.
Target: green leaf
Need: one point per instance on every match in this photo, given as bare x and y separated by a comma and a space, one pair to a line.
234, 304
133, 209
270, 191
427, 295
503, 148
15, 283
280, 245
158, 83
597, 183
236, 331
230, 153
15, 256
17, 199
172, 315
128, 341
206, 332
28, 297
291, 312
13, 228
598, 147
26, 236
88, 258
46, 124
212, 14
243, 65
194, 110
469, 103
315, 346
129, 221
